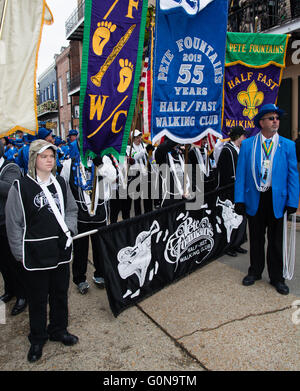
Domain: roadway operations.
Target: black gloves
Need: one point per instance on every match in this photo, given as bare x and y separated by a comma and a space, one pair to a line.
290, 210
240, 208
97, 160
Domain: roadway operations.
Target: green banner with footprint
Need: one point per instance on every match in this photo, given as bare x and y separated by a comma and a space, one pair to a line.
111, 64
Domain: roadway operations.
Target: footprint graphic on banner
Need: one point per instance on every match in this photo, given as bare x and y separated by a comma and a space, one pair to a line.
102, 36
125, 74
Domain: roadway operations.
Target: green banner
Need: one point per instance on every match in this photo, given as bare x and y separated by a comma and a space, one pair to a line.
111, 65
256, 49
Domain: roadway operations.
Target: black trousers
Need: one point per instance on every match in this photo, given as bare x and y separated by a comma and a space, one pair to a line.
148, 206
81, 251
10, 268
117, 205
265, 221
41, 286
144, 199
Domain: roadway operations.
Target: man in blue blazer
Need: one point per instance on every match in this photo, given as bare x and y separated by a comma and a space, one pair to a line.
267, 185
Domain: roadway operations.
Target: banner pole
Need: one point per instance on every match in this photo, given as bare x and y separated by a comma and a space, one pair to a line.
132, 129
3, 17
186, 154
94, 189
256, 22
2, 43
83, 234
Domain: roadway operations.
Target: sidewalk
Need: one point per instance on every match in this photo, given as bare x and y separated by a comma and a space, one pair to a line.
205, 321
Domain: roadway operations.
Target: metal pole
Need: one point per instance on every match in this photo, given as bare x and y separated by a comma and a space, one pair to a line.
94, 189
3, 17
83, 234
2, 43
256, 22
186, 156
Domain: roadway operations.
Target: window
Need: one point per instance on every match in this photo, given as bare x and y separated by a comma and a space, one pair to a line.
61, 100
49, 93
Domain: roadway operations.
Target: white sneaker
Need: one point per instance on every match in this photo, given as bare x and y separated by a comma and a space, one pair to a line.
99, 281
83, 287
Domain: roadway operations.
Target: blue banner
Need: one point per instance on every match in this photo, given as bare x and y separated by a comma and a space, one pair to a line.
188, 69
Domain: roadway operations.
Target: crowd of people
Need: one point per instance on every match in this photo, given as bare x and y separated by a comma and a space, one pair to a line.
49, 195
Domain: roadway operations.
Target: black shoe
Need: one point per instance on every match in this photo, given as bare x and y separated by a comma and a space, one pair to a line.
281, 288
67, 339
35, 352
231, 253
6, 297
19, 307
240, 250
99, 281
250, 280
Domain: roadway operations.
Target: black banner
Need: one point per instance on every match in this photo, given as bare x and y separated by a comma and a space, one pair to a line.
146, 253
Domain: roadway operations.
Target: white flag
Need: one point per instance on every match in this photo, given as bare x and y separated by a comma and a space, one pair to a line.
192, 7
21, 35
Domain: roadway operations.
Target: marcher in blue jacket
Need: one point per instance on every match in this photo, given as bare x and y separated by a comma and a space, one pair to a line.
267, 185
23, 155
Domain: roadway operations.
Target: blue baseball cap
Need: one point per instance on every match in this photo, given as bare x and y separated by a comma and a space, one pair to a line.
57, 141
43, 133
73, 132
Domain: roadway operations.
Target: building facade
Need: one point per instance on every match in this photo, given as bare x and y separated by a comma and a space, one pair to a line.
47, 108
62, 62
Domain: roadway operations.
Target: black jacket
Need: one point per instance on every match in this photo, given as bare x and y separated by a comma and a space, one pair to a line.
226, 167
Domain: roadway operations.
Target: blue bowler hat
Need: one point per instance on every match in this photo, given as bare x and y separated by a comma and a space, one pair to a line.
73, 132
268, 108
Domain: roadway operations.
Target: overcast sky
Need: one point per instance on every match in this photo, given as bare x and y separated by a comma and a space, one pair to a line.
54, 35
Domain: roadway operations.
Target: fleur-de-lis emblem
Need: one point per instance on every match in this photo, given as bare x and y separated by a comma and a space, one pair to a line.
251, 99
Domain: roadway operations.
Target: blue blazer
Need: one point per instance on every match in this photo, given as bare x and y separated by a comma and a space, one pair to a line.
285, 177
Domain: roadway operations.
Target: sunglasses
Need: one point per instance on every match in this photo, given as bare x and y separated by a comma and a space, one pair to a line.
272, 118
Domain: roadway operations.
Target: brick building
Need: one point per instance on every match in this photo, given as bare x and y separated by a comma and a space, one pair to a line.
62, 62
